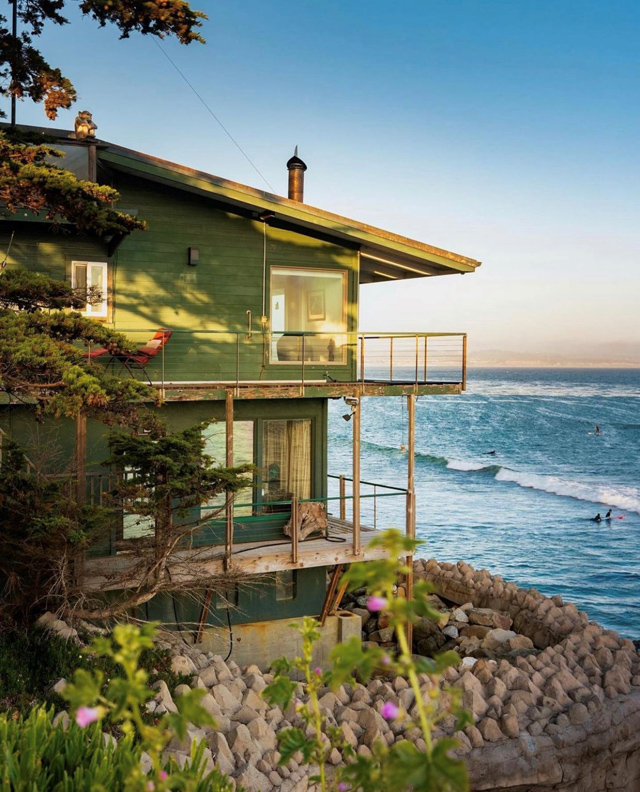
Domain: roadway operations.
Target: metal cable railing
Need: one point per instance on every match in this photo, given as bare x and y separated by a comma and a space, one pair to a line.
227, 358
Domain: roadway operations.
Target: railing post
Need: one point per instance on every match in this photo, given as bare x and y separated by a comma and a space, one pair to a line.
356, 478
343, 503
464, 362
162, 373
417, 356
375, 507
391, 359
294, 530
228, 534
362, 358
425, 359
237, 364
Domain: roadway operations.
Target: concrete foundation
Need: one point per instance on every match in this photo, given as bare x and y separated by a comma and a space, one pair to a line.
261, 642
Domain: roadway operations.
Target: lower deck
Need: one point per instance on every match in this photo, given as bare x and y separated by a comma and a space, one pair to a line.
249, 558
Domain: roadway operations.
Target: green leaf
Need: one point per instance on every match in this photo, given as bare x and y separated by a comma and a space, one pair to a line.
292, 740
280, 692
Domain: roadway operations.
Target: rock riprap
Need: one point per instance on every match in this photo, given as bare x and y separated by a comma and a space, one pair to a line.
555, 699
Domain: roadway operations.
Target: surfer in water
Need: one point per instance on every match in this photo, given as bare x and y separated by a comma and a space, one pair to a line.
597, 430
609, 515
597, 518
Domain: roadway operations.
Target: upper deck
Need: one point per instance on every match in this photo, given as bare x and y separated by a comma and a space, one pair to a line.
202, 364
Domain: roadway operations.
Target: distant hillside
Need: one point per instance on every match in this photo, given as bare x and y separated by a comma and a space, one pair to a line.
624, 355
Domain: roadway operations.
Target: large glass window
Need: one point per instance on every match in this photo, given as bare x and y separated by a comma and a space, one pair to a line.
308, 315
86, 275
286, 462
215, 446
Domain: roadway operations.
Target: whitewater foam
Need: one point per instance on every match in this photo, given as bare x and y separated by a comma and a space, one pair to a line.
627, 499
459, 464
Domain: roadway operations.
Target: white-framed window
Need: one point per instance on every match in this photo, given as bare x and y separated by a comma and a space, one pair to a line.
86, 275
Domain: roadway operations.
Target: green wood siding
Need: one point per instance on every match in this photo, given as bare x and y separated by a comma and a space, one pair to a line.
256, 602
155, 286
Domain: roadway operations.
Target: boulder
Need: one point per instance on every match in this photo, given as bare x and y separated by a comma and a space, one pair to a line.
496, 638
222, 754
486, 617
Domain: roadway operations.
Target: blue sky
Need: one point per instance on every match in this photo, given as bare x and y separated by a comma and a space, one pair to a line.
507, 131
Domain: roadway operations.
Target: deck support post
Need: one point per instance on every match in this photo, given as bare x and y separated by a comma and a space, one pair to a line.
411, 499
356, 478
228, 534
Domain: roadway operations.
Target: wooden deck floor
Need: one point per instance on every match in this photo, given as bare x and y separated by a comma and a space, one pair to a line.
251, 558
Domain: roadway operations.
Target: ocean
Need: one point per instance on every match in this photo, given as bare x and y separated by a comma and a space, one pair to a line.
525, 511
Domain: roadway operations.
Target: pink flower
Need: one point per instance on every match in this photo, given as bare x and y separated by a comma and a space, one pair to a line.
376, 604
150, 786
385, 659
86, 715
163, 775
342, 787
318, 671
389, 711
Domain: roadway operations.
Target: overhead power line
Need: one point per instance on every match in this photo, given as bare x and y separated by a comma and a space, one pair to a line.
210, 111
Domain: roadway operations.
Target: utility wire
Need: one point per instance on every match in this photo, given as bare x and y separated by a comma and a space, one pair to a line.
210, 111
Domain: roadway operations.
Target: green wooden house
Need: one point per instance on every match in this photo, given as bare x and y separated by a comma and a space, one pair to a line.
261, 294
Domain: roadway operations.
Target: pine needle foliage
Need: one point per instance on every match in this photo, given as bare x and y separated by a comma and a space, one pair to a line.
31, 180
24, 71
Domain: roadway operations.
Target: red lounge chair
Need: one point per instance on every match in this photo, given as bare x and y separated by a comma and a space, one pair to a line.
139, 359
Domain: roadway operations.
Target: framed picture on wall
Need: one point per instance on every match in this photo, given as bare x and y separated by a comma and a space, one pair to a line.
316, 309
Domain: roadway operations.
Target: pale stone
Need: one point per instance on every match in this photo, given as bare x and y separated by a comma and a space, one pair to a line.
227, 701
459, 615
180, 664
182, 689
222, 753
578, 714
450, 631
475, 737
245, 715
163, 696
208, 676
263, 735
251, 778
489, 729
60, 685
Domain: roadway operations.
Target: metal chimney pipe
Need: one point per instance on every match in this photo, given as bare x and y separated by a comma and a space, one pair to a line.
296, 168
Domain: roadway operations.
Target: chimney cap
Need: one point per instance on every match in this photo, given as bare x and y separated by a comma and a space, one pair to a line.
295, 163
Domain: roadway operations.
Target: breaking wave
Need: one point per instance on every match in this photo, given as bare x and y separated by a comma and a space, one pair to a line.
622, 498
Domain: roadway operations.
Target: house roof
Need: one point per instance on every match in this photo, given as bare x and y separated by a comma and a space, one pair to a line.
383, 255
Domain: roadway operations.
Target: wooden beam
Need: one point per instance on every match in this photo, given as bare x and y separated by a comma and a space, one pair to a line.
338, 598
204, 614
228, 534
331, 592
356, 478
411, 499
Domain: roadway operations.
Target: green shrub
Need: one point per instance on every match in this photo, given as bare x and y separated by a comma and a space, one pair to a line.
31, 661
